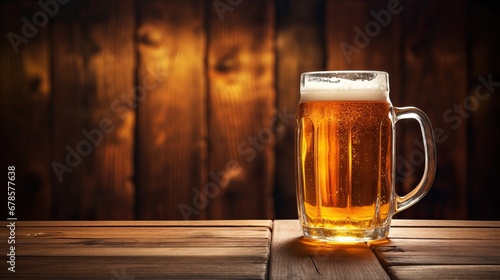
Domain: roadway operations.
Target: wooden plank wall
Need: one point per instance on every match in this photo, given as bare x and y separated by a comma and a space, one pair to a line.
184, 109
171, 130
26, 93
434, 55
241, 99
483, 119
91, 68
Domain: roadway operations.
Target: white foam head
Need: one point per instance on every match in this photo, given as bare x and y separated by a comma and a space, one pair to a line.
344, 85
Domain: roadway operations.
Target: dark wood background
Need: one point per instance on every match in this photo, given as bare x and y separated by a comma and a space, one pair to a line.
189, 104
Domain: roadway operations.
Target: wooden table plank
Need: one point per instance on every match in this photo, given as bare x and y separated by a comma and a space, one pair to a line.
439, 251
463, 233
224, 250
134, 250
443, 223
198, 223
435, 249
445, 272
128, 268
295, 258
186, 233
193, 252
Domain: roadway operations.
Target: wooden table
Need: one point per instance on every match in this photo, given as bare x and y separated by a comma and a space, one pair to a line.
250, 249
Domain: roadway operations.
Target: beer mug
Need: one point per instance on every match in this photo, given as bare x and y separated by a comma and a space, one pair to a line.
345, 158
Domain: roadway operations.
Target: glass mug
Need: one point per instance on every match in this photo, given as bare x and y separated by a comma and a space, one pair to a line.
345, 159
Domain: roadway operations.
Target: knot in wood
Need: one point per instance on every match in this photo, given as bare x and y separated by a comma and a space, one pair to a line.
150, 37
225, 64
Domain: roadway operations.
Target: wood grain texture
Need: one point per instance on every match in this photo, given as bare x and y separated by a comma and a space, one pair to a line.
418, 249
455, 232
445, 272
179, 251
196, 223
240, 110
434, 79
94, 72
295, 258
449, 250
444, 223
171, 127
25, 94
127, 268
137, 232
167, 251
300, 48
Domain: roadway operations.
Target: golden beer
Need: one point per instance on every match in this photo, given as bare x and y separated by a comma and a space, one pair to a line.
345, 156
345, 166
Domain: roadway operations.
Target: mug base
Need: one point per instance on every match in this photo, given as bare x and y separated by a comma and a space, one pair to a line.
345, 234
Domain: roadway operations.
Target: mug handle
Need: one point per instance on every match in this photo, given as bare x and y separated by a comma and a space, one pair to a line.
425, 183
